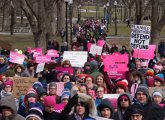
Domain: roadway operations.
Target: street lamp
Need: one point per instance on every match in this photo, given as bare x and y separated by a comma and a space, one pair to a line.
115, 4
79, 14
107, 21
66, 22
70, 10
104, 11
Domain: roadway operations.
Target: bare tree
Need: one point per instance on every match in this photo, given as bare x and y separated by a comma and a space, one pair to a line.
157, 20
141, 9
42, 19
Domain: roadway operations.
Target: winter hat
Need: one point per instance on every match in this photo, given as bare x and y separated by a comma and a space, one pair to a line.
52, 85
10, 73
122, 84
30, 65
136, 108
35, 112
31, 93
159, 77
149, 72
49, 101
37, 84
65, 94
159, 67
87, 64
68, 85
93, 64
8, 82
158, 92
143, 89
41, 91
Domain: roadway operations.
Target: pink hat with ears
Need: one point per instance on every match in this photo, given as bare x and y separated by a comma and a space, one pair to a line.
49, 101
8, 82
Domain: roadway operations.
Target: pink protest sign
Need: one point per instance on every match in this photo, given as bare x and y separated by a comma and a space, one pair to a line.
117, 74
52, 53
65, 70
59, 107
16, 57
115, 62
145, 53
100, 43
42, 59
89, 46
36, 51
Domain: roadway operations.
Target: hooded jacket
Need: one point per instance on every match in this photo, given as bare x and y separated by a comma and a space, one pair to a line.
119, 115
4, 66
8, 102
105, 103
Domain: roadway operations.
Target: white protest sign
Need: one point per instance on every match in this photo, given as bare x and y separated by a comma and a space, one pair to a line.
140, 36
96, 49
77, 58
40, 67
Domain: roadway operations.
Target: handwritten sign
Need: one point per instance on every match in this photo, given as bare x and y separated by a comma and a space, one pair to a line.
16, 57
40, 67
21, 85
115, 62
145, 54
140, 36
65, 70
96, 49
77, 58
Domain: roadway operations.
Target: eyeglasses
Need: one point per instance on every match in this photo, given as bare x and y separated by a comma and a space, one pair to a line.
123, 100
100, 91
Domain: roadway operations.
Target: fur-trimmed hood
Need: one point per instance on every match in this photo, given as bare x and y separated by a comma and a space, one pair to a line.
90, 103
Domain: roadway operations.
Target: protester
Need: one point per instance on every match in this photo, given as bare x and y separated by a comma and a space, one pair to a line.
158, 96
8, 109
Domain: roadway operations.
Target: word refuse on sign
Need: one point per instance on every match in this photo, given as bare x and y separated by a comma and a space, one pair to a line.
140, 37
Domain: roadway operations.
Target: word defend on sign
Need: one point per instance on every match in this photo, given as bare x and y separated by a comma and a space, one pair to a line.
140, 36
21, 85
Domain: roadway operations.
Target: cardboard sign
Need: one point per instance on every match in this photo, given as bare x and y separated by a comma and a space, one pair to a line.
65, 70
145, 54
96, 50
40, 67
113, 98
16, 57
101, 43
140, 36
116, 75
115, 62
21, 85
76, 58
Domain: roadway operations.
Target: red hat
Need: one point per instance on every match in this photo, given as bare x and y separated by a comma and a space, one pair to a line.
122, 84
82, 76
88, 76
149, 72
8, 82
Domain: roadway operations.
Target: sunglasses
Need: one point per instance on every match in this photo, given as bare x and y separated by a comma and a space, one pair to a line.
123, 100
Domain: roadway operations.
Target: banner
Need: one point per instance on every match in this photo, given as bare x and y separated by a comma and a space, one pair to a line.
65, 70
101, 43
77, 58
145, 54
40, 67
96, 50
115, 62
16, 57
140, 36
21, 85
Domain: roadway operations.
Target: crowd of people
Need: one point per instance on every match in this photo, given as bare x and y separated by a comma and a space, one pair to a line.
83, 95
